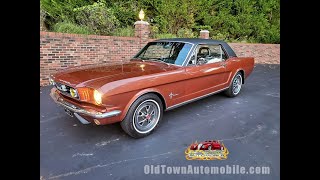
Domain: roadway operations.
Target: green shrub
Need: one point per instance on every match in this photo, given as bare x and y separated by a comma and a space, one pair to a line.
61, 10
220, 36
42, 19
128, 31
124, 11
42, 15
154, 30
229, 20
67, 27
98, 17
185, 33
165, 36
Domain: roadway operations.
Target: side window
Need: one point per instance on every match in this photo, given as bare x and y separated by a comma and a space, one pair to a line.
207, 54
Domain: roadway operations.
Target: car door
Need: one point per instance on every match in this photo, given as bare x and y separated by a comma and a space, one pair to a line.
206, 71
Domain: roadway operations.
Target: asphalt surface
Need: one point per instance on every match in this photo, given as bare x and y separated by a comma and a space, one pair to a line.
248, 125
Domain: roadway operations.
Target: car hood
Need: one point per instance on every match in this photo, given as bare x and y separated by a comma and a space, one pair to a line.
91, 74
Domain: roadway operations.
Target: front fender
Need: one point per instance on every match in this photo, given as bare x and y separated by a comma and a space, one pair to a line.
136, 96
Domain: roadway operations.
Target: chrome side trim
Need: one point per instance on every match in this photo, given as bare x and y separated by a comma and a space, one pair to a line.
81, 119
203, 96
76, 109
195, 99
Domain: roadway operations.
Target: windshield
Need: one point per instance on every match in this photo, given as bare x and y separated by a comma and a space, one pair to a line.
168, 52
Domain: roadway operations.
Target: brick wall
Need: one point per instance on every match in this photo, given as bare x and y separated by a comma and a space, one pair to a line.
262, 53
59, 50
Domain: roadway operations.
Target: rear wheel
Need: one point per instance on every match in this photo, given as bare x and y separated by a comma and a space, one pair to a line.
143, 116
235, 86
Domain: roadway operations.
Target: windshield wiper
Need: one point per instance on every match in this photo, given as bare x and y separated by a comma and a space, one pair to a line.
138, 59
157, 60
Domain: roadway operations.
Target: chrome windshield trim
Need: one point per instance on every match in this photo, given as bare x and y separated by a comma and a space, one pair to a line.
161, 62
187, 57
172, 41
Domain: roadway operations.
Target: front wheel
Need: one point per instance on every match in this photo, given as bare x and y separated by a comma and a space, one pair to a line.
143, 116
235, 86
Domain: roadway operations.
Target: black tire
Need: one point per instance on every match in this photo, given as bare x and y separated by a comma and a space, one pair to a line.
130, 123
230, 92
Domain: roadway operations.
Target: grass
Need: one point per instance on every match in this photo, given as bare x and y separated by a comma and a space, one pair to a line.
67, 27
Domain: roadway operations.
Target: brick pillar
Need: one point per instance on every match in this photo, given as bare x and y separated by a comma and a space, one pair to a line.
142, 31
204, 34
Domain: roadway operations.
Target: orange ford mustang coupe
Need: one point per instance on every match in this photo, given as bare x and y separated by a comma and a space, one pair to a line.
165, 74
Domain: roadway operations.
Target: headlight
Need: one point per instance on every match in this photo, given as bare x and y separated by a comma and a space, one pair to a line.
73, 93
89, 95
97, 96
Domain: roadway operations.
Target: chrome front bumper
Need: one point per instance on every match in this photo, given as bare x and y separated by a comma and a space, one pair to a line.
76, 110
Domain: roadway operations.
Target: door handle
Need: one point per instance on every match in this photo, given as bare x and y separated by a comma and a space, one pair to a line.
223, 64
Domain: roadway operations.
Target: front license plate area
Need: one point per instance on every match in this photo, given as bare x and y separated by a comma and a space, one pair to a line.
68, 112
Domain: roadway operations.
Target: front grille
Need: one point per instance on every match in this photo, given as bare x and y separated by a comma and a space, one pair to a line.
64, 89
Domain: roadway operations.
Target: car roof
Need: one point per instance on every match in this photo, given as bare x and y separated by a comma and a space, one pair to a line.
197, 41
193, 40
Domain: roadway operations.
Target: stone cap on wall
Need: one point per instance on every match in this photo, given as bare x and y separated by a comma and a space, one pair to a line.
141, 22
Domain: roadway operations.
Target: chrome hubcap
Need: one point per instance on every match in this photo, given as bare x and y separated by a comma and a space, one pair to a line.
236, 85
146, 116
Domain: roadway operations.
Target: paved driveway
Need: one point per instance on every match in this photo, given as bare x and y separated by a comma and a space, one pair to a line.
248, 125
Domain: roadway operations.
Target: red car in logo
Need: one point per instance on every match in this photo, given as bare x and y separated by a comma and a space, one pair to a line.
207, 145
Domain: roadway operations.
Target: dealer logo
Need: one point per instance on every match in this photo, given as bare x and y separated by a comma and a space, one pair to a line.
207, 150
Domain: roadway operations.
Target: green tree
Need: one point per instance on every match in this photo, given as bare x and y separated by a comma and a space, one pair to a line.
171, 15
124, 11
229, 20
61, 10
98, 17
